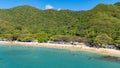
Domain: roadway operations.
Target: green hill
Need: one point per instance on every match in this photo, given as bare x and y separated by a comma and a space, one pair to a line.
92, 26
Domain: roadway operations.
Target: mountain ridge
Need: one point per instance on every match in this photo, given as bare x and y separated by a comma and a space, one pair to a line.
26, 22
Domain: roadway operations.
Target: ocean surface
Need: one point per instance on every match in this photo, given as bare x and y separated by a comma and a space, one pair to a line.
39, 57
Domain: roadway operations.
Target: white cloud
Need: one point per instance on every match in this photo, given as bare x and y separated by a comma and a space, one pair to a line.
59, 9
49, 6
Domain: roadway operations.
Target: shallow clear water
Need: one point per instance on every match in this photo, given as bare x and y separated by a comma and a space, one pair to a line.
34, 57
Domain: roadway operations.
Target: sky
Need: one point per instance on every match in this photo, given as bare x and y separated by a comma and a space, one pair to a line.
56, 4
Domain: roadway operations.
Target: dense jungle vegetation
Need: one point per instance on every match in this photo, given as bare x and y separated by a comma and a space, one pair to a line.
100, 25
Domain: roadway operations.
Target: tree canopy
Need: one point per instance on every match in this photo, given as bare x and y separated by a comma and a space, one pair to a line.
30, 23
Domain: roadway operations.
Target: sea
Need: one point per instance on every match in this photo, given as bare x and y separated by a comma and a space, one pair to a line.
40, 57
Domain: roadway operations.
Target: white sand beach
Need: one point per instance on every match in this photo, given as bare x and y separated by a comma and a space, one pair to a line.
81, 47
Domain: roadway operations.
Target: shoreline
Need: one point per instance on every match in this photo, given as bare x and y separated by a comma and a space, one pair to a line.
81, 47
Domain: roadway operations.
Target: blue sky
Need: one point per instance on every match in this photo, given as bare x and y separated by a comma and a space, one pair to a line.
56, 4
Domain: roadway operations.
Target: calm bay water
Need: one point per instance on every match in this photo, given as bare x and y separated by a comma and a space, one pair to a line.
36, 57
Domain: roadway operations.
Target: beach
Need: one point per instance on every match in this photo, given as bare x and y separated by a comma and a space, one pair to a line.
81, 47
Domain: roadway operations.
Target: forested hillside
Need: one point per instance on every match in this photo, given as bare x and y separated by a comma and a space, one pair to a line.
100, 25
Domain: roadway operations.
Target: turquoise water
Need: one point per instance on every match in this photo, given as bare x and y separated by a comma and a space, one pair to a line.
33, 57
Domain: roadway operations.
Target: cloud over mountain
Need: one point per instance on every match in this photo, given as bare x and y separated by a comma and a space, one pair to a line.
49, 6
